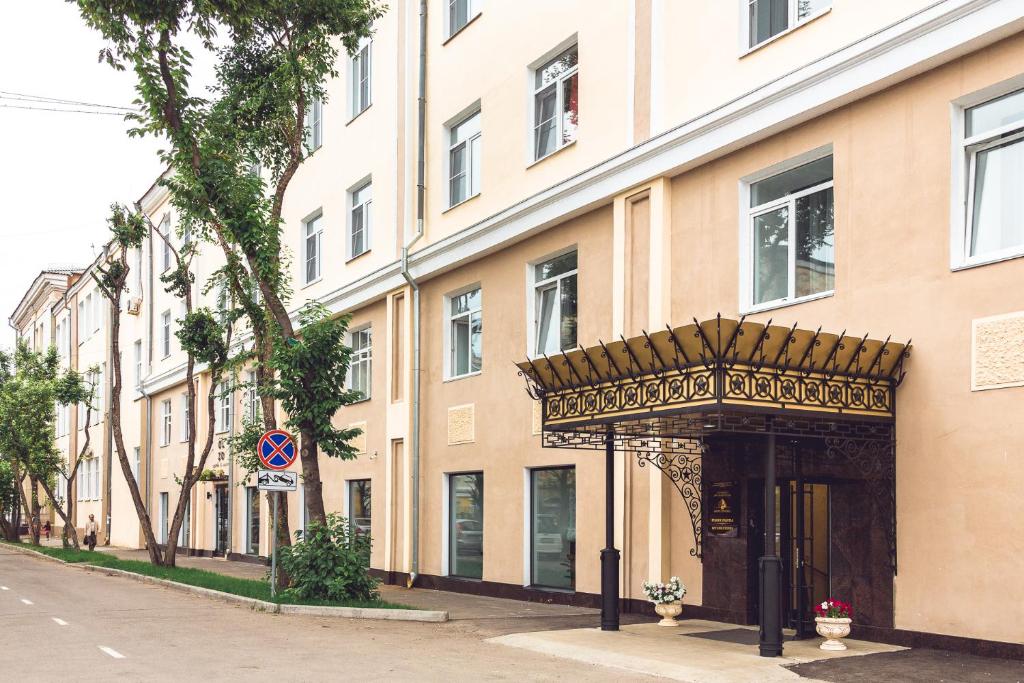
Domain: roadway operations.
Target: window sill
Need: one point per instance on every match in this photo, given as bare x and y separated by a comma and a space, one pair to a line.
312, 282
978, 262
773, 305
361, 400
456, 378
350, 259
360, 113
550, 154
800, 24
469, 199
551, 589
461, 29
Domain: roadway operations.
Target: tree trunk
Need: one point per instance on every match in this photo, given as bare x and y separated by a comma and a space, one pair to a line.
115, 419
34, 523
311, 478
65, 518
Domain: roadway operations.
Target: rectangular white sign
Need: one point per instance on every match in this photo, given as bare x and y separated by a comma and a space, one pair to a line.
271, 480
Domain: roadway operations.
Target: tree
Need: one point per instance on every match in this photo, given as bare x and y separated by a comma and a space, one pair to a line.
203, 338
31, 385
275, 63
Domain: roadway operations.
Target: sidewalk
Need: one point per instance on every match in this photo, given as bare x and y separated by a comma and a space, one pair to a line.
460, 606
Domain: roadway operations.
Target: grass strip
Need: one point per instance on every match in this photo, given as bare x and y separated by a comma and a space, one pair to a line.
249, 588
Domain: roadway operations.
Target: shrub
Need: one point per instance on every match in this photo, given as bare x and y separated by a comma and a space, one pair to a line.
329, 562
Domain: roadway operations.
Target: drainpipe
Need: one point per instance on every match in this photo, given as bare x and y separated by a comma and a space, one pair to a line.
420, 153
108, 428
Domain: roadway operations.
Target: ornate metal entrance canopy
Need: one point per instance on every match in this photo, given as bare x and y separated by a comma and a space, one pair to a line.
667, 397
711, 366
661, 395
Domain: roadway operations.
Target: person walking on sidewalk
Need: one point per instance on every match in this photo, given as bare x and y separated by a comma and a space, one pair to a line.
90, 532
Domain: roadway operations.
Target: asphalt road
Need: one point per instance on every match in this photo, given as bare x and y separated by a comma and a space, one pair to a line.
63, 623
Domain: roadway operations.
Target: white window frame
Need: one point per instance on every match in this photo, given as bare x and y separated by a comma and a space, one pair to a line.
252, 397
314, 125
473, 9
964, 152
137, 347
792, 24
100, 394
167, 259
136, 462
747, 214
222, 404
534, 90
361, 356
366, 208
474, 162
316, 218
356, 104
184, 418
97, 313
166, 422
165, 333
449, 318
532, 327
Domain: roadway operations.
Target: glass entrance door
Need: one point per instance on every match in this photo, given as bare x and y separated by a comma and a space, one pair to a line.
803, 540
221, 496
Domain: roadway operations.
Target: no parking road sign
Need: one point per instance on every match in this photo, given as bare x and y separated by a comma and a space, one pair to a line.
276, 449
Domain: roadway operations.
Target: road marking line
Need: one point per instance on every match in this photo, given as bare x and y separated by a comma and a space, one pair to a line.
27, 602
111, 651
60, 622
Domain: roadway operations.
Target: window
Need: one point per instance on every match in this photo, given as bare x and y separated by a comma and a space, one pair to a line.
553, 527
136, 463
97, 313
97, 473
555, 304
164, 509
465, 322
769, 18
165, 333
88, 316
314, 135
165, 242
360, 221
360, 83
137, 347
556, 103
80, 482
459, 14
466, 525
312, 239
184, 532
791, 227
993, 149
184, 417
359, 510
360, 362
101, 406
464, 159
165, 422
223, 418
252, 399
252, 508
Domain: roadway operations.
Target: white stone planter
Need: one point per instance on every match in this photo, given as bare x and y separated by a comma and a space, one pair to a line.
833, 630
668, 611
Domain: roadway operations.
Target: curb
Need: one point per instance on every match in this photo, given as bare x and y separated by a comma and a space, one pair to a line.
432, 616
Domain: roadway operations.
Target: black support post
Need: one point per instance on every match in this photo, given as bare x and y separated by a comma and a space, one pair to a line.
770, 567
610, 554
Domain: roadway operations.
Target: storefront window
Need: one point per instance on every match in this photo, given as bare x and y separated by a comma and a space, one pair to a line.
359, 505
553, 527
252, 499
466, 525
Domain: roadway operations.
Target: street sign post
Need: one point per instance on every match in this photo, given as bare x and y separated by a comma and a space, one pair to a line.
276, 450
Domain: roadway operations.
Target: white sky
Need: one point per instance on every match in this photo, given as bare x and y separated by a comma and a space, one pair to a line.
59, 172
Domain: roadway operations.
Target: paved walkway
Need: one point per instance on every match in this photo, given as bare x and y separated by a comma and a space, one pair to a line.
460, 606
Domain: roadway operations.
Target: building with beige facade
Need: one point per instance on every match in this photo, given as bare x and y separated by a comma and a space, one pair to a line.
821, 195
